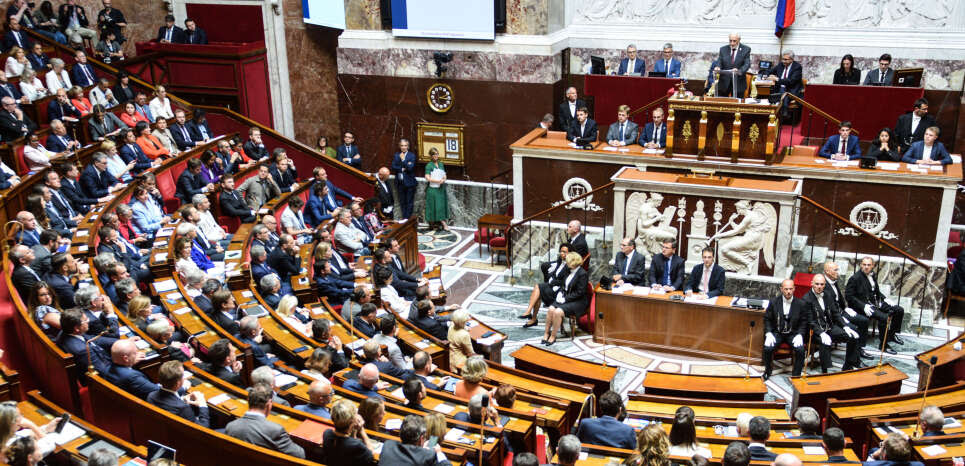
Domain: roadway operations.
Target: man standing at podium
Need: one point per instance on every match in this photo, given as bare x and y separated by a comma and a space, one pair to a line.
785, 321
734, 61
632, 66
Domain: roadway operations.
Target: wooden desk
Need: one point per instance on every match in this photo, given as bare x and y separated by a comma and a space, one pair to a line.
547, 363
949, 368
847, 385
716, 331
407, 234
951, 440
737, 130
706, 409
704, 386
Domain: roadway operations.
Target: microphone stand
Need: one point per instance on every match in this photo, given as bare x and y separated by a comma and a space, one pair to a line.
90, 363
750, 337
924, 394
599, 316
884, 342
807, 356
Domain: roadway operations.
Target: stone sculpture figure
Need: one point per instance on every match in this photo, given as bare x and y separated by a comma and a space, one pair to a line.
647, 224
739, 243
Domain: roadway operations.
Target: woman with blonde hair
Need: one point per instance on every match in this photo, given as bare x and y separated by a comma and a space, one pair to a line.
460, 343
435, 425
318, 364
571, 299
654, 446
288, 309
31, 86
17, 62
139, 312
472, 376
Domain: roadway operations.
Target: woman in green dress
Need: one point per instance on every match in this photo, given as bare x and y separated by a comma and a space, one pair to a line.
323, 148
437, 205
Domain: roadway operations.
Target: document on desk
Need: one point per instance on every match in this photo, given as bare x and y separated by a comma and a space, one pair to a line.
934, 450
164, 286
623, 288
653, 151
610, 148
893, 166
641, 290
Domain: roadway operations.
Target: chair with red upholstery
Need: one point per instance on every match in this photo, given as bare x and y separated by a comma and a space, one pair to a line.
21, 161
497, 245
482, 236
587, 321
802, 284
165, 184
230, 224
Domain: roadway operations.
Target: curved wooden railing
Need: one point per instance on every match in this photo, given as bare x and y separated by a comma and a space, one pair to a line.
660, 101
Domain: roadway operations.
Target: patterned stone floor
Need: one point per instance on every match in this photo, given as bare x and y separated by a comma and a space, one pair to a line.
486, 292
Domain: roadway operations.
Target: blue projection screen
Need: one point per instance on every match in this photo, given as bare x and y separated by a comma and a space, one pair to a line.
327, 13
444, 19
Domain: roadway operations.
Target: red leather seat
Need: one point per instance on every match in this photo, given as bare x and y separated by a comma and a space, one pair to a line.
802, 284
482, 236
165, 184
21, 161
588, 320
231, 224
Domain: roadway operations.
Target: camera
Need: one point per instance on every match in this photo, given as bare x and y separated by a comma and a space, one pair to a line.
31, 5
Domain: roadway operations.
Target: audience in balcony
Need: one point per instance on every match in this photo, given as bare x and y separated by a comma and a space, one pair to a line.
82, 72
57, 78
193, 34
110, 20
104, 124
14, 37
16, 62
73, 21
170, 33
109, 49
31, 86
20, 10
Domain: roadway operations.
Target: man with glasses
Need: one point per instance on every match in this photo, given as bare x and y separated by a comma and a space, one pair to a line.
632, 65
667, 64
13, 123
629, 265
96, 181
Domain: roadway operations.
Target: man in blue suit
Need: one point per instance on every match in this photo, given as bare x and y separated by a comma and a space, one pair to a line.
759, 429
654, 134
330, 286
96, 181
631, 65
928, 151
82, 74
348, 152
403, 165
62, 267
667, 268
319, 396
61, 109
73, 338
606, 429
168, 398
842, 146
623, 132
367, 382
707, 279
629, 266
122, 373
668, 64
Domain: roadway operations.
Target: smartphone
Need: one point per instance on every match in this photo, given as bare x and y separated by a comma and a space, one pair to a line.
64, 419
432, 442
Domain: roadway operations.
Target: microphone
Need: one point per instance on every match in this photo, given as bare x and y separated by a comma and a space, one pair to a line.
750, 338
90, 364
599, 316
931, 368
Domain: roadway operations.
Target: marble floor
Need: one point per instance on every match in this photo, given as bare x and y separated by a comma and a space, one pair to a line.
487, 292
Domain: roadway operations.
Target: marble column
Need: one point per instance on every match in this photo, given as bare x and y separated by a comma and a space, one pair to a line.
619, 216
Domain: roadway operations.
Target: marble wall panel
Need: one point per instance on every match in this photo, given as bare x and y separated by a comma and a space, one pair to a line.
312, 77
363, 14
485, 66
527, 17
467, 202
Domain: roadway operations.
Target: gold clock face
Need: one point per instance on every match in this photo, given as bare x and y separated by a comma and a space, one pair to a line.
440, 97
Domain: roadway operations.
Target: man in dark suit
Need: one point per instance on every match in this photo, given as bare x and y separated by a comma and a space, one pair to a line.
667, 63
911, 126
332, 287
786, 78
884, 75
191, 183
577, 239
62, 266
182, 133
193, 34
372, 353
74, 339
956, 279
622, 132
60, 109
232, 202
423, 367
24, 277
864, 295
760, 430
223, 362
383, 192
583, 129
254, 427
667, 268
606, 429
96, 181
632, 65
629, 266
58, 201
734, 59
403, 165
122, 373
284, 259
410, 451
170, 33
249, 329
842, 146
829, 326
193, 408
14, 124
71, 188
896, 450
43, 252
82, 73
414, 392
654, 134
198, 127
348, 151
857, 320
404, 283
785, 321
364, 321
707, 279
203, 300
15, 37
567, 111
322, 332
319, 396
833, 442
427, 322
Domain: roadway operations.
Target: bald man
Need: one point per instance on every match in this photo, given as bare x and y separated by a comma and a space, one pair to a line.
124, 355
733, 61
319, 396
786, 459
383, 192
367, 382
828, 324
785, 321
577, 238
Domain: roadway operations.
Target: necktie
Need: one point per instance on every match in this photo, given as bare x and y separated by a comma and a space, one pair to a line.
70, 212
656, 130
666, 273
204, 132
626, 269
33, 273
844, 144
622, 133
630, 66
705, 281
666, 67
733, 56
881, 77
167, 36
63, 140
786, 70
184, 132
17, 36
90, 78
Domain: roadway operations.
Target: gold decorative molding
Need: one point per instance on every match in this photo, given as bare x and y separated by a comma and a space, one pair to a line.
754, 134
686, 132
